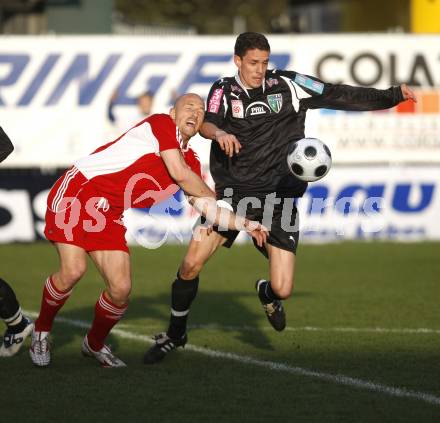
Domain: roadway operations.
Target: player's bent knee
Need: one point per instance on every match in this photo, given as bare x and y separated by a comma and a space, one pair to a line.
284, 291
284, 294
120, 293
190, 268
70, 275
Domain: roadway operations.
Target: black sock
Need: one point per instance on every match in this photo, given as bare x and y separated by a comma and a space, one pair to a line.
10, 310
183, 293
266, 293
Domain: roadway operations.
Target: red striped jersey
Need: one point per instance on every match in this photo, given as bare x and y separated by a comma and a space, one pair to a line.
129, 172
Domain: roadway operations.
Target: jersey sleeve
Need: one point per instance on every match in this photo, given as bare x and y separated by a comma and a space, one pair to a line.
347, 97
165, 131
216, 104
315, 94
6, 147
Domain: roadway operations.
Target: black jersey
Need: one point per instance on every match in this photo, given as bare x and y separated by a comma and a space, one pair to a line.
266, 119
6, 146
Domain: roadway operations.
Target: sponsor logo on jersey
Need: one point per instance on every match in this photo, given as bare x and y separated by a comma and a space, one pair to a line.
237, 108
271, 81
257, 108
215, 100
311, 84
275, 102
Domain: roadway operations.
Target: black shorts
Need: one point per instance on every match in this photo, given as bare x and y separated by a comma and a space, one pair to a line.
279, 215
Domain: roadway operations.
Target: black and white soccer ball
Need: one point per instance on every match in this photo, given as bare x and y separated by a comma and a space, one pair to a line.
309, 159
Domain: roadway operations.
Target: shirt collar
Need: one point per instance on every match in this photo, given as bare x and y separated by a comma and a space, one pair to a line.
181, 142
237, 78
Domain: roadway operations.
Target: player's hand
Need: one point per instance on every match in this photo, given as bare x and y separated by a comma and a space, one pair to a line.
209, 229
202, 229
228, 143
258, 231
408, 93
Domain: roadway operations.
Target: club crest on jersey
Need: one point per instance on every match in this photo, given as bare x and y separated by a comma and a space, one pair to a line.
275, 102
237, 109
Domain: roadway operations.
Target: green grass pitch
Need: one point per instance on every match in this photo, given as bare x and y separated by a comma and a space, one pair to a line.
360, 314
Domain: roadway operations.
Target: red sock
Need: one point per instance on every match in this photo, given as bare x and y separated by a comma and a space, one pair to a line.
107, 315
53, 299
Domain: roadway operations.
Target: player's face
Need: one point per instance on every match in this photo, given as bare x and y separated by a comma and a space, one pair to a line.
188, 114
252, 67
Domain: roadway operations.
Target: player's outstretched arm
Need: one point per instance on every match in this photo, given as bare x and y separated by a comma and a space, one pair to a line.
182, 174
225, 218
228, 142
6, 146
348, 97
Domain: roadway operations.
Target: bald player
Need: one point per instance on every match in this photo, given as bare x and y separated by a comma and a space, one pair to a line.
145, 165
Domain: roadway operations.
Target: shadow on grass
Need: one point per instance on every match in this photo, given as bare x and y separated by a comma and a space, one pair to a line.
227, 313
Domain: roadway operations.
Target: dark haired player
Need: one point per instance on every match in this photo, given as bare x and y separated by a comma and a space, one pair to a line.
252, 117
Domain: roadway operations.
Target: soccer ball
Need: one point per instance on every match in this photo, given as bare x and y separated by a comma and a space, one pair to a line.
309, 159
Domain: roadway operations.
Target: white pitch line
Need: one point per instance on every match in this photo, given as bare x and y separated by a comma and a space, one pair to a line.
245, 328
320, 329
272, 365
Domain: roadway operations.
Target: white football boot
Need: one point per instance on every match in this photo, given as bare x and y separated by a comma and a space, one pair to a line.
104, 355
40, 348
12, 342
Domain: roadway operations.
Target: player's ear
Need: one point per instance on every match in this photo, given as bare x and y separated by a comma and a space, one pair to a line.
237, 61
173, 113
